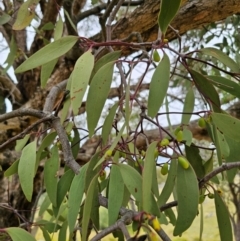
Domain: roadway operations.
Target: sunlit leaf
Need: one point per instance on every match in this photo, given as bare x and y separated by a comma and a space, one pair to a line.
26, 169
19, 234
115, 194
222, 57
88, 206
188, 107
109, 57
75, 197
133, 180
168, 10
187, 197
25, 15
48, 53
206, 89
107, 126
97, 95
12, 169
58, 28
80, 79
22, 142
223, 219
50, 175
158, 86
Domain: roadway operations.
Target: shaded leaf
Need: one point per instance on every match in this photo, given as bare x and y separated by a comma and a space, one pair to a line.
26, 169
171, 215
107, 126
97, 95
50, 175
12, 169
45, 233
193, 156
45, 204
187, 197
133, 181
168, 10
58, 28
224, 224
46, 71
227, 125
4, 18
188, 107
206, 89
75, 197
80, 79
222, 57
158, 86
48, 53
88, 206
63, 232
12, 54
169, 184
19, 234
115, 194
187, 136
226, 85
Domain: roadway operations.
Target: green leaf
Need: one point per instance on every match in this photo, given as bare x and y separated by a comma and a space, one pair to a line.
224, 224
63, 232
75, 197
26, 169
80, 78
187, 136
12, 169
45, 234
201, 222
4, 18
70, 20
227, 125
46, 71
187, 197
59, 28
50, 175
64, 185
169, 184
222, 57
45, 204
97, 95
109, 57
193, 156
25, 15
149, 168
188, 107
19, 234
12, 53
107, 126
115, 194
75, 143
88, 206
21, 143
158, 86
48, 53
206, 89
168, 10
226, 85
133, 181
171, 215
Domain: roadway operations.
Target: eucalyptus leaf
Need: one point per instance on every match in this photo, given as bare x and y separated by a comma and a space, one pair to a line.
19, 234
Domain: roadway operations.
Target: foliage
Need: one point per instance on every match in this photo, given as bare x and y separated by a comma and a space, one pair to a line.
121, 171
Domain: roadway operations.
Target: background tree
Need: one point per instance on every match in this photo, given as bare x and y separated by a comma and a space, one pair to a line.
136, 67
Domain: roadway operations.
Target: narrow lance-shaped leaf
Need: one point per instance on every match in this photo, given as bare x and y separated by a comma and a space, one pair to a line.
80, 79
158, 86
222, 57
19, 234
206, 89
48, 53
149, 168
224, 224
168, 10
115, 194
26, 169
88, 207
46, 71
75, 197
50, 175
97, 95
187, 197
188, 106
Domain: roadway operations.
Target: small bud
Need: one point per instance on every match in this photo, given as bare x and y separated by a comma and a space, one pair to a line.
183, 162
